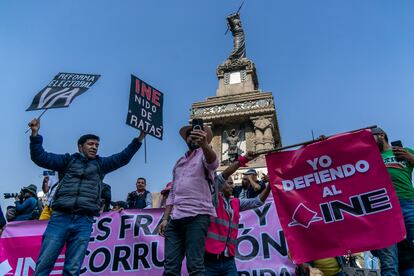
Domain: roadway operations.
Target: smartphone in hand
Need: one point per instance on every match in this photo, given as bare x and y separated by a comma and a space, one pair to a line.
198, 124
397, 143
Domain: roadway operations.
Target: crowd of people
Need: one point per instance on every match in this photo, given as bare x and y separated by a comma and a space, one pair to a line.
202, 207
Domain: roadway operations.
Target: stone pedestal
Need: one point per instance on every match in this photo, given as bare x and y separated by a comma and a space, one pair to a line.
251, 114
236, 77
242, 117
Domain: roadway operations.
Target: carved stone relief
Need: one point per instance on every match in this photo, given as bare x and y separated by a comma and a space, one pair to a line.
233, 144
263, 128
232, 107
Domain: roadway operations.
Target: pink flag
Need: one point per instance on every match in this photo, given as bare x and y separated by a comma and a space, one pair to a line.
335, 197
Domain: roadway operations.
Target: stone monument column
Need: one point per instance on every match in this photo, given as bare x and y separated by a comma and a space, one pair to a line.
242, 117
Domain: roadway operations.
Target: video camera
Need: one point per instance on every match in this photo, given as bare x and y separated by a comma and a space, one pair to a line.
13, 195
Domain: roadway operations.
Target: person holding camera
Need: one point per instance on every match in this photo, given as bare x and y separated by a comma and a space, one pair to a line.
250, 187
140, 198
26, 203
190, 202
400, 164
77, 197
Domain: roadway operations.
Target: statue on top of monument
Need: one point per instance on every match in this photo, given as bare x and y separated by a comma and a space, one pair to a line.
239, 47
233, 149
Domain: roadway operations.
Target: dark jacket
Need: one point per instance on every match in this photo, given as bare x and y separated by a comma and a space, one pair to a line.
2, 219
136, 201
405, 255
24, 210
79, 189
251, 193
106, 197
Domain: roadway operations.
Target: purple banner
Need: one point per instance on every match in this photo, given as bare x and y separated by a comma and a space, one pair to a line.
128, 242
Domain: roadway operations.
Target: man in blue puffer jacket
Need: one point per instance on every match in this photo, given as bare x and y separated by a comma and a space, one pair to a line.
77, 197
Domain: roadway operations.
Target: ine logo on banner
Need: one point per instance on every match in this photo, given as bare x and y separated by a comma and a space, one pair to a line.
5, 267
303, 216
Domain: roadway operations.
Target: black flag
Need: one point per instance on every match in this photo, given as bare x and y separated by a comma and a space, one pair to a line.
145, 108
61, 91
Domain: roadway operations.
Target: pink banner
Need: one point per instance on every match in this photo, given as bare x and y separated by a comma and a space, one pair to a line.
335, 197
128, 242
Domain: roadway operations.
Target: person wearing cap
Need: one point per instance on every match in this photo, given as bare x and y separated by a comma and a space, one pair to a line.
164, 195
400, 163
77, 198
140, 198
189, 204
221, 241
27, 204
250, 187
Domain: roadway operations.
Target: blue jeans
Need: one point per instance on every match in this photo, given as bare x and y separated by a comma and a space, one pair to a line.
185, 236
75, 231
221, 267
389, 256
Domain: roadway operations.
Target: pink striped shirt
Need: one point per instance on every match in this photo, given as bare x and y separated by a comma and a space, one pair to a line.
190, 194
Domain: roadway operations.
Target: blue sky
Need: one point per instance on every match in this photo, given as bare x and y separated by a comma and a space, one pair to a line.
332, 66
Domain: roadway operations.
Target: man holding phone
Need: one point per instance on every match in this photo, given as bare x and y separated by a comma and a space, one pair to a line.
400, 163
190, 202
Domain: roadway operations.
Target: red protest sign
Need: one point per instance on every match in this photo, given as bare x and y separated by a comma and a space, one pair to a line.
334, 197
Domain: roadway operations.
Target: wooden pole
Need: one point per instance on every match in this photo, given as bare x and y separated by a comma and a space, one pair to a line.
145, 150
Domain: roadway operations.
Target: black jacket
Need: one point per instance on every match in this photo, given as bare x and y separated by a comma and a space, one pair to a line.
79, 188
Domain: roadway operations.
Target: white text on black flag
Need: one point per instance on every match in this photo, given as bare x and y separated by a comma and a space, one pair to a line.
61, 91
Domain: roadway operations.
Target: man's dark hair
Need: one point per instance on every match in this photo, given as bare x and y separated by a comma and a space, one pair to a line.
141, 178
378, 131
85, 137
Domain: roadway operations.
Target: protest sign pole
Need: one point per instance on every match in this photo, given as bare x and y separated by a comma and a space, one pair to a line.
40, 116
145, 150
307, 142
